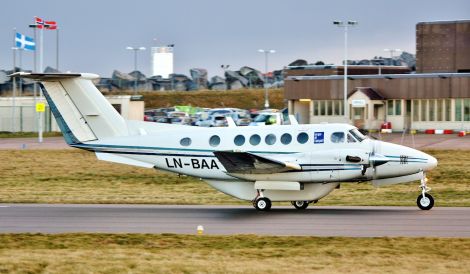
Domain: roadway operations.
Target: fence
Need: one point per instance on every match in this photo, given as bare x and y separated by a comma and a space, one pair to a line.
25, 119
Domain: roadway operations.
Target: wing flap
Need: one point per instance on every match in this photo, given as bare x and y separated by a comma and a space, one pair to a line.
249, 163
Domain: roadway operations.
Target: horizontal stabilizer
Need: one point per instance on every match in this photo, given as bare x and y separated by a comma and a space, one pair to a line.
53, 76
248, 163
121, 160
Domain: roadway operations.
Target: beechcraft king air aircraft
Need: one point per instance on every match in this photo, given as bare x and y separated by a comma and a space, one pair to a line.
296, 163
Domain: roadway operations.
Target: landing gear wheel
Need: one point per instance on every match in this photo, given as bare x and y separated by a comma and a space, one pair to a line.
263, 204
425, 202
300, 204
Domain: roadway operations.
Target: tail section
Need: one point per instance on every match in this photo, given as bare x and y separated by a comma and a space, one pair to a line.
81, 111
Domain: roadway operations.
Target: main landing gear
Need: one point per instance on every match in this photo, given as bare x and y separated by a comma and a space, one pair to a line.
262, 203
425, 201
300, 204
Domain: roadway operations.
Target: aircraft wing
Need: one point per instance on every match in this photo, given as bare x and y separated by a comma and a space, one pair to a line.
249, 163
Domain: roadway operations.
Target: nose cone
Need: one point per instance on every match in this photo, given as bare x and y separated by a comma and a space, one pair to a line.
431, 163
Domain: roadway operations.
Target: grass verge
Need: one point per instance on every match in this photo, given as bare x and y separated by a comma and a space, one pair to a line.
246, 98
74, 176
168, 253
6, 134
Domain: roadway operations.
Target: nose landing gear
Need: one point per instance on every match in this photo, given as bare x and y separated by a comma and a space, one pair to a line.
425, 201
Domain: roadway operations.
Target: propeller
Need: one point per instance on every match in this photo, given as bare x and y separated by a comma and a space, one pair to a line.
375, 160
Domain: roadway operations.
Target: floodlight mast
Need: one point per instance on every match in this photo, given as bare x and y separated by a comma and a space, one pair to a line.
266, 52
345, 25
135, 49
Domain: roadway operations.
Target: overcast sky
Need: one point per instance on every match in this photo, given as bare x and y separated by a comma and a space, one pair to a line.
208, 33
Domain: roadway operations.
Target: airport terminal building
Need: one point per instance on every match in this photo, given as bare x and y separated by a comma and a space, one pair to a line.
437, 96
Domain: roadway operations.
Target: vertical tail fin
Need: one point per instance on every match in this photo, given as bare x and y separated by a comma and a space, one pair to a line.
82, 112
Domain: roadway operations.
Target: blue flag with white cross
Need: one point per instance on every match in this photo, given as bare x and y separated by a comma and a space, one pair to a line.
24, 42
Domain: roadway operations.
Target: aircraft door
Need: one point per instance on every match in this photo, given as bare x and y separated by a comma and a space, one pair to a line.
324, 166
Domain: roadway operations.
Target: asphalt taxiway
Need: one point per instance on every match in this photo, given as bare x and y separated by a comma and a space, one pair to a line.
351, 221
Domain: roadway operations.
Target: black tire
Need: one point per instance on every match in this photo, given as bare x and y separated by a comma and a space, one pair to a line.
426, 202
300, 204
263, 204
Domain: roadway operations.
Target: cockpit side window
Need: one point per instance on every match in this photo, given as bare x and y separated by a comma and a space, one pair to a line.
358, 135
337, 137
351, 139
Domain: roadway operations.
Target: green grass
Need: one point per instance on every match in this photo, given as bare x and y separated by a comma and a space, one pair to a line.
74, 176
245, 98
168, 253
6, 134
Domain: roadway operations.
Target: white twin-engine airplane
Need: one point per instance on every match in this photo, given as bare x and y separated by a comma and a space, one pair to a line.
296, 163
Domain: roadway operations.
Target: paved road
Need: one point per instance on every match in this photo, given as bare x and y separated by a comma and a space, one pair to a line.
316, 221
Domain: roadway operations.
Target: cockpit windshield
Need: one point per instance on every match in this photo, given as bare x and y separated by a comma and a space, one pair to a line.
358, 135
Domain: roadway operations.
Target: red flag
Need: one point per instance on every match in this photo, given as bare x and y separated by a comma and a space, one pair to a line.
41, 24
51, 25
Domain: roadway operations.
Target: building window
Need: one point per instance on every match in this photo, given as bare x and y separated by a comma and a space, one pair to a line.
447, 109
432, 110
337, 105
329, 104
316, 106
458, 109
390, 107
185, 141
424, 107
255, 140
322, 108
466, 108
214, 141
439, 110
239, 140
397, 107
302, 138
270, 139
286, 138
415, 110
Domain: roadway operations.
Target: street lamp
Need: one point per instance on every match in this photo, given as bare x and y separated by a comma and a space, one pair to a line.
345, 25
135, 49
391, 53
266, 52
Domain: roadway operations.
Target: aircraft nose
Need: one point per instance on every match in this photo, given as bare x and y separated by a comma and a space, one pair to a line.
431, 163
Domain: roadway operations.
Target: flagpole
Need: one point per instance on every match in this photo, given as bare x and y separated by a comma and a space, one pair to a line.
21, 69
57, 50
13, 79
41, 59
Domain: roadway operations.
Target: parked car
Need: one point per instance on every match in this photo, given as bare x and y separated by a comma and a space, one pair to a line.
214, 121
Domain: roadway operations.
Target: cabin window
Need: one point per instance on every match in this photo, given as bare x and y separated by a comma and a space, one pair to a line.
270, 139
337, 137
302, 138
214, 141
255, 140
286, 138
185, 141
351, 139
357, 135
239, 140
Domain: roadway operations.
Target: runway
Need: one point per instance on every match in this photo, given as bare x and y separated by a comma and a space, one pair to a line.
227, 220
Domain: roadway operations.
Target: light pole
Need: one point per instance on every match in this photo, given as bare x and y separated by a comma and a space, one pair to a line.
225, 68
345, 26
135, 49
266, 52
391, 53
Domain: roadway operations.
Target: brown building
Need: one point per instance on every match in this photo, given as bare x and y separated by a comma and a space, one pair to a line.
443, 46
438, 98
